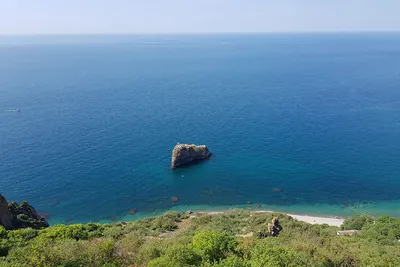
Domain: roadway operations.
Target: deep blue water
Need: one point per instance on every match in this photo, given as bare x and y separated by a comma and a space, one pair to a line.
316, 115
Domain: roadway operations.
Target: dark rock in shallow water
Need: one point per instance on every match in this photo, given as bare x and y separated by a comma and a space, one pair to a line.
14, 216
185, 154
54, 202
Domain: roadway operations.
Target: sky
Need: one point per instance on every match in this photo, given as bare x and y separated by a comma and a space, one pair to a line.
196, 16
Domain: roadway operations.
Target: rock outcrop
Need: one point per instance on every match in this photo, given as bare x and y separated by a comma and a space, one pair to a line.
274, 228
185, 154
14, 216
6, 217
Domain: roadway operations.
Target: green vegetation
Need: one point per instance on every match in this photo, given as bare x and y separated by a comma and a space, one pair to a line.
229, 239
357, 222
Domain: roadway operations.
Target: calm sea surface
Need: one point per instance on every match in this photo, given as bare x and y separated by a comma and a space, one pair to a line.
306, 123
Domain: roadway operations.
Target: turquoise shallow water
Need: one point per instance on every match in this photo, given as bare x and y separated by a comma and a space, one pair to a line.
316, 115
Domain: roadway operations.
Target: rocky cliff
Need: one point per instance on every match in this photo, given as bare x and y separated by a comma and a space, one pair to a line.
14, 216
6, 217
185, 154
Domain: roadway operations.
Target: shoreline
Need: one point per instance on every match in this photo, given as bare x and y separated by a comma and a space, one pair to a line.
331, 221
320, 214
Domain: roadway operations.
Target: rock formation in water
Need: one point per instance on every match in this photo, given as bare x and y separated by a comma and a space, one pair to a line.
14, 216
185, 154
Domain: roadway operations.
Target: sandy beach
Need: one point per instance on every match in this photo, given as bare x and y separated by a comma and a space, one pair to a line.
332, 221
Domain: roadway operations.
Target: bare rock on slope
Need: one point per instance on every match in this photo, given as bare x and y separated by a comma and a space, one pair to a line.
6, 217
14, 216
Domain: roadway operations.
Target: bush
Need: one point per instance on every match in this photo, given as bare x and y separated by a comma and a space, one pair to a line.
4, 247
4, 244
74, 231
275, 256
3, 232
232, 261
385, 230
153, 226
149, 251
103, 253
357, 222
213, 246
178, 256
45, 252
21, 237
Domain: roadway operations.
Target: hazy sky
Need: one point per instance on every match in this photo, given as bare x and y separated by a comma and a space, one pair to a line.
188, 16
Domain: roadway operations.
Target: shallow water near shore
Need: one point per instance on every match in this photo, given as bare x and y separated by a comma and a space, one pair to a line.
334, 211
301, 123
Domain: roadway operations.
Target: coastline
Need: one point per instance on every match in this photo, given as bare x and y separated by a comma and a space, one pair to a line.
320, 214
317, 214
331, 221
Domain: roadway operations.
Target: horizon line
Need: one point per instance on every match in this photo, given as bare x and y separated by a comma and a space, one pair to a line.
197, 33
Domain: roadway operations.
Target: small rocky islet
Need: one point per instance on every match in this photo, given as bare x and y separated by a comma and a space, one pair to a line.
186, 154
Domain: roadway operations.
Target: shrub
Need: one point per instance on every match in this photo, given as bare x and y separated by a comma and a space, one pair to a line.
103, 253
165, 262
167, 222
232, 261
155, 225
40, 252
149, 251
3, 232
21, 237
74, 231
177, 256
385, 230
213, 246
357, 222
276, 256
4, 247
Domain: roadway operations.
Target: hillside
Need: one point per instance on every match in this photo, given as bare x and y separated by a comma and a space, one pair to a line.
235, 238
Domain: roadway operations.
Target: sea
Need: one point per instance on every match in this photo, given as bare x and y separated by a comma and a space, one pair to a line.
305, 123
